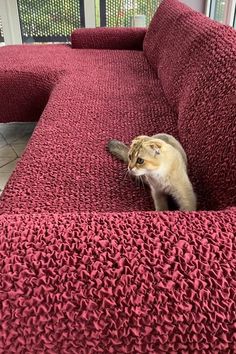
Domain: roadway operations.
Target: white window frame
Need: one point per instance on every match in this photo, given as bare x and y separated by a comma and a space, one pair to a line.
207, 7
229, 14
89, 13
10, 22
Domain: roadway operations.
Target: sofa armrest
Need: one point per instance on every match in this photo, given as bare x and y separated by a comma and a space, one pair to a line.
108, 38
132, 282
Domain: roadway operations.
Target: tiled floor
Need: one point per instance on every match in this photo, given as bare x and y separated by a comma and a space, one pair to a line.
13, 140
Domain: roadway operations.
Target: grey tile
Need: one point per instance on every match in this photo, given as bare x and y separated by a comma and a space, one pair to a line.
6, 160
4, 177
9, 167
12, 132
8, 128
2, 141
22, 140
7, 151
13, 140
29, 127
19, 148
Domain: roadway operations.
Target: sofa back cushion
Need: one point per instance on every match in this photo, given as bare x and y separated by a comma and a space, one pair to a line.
108, 38
195, 59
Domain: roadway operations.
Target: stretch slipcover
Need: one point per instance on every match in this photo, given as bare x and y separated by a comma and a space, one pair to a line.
86, 265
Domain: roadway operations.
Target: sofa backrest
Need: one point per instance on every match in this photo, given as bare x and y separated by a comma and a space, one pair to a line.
195, 59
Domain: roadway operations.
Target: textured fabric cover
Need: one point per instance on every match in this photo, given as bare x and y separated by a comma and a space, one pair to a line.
108, 38
195, 59
66, 166
118, 283
85, 267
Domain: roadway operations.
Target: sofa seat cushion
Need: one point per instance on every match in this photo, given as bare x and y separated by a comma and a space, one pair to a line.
102, 95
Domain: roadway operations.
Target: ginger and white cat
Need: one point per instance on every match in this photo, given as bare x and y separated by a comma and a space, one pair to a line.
162, 163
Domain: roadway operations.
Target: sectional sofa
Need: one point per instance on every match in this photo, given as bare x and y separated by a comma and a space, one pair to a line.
86, 264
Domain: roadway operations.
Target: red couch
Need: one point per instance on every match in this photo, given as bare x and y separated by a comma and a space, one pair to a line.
86, 265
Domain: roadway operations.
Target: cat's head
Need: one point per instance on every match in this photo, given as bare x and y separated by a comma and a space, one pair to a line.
146, 155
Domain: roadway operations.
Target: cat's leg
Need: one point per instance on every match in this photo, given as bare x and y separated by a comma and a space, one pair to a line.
160, 200
185, 197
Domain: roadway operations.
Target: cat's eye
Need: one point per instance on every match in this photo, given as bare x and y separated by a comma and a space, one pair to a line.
140, 161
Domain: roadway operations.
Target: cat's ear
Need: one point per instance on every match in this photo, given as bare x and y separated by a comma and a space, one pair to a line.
142, 137
139, 139
156, 147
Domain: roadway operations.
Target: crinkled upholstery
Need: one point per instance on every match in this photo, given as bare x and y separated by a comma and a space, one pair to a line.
108, 38
66, 166
85, 266
118, 283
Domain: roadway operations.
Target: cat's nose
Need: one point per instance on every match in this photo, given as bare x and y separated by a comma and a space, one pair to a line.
131, 169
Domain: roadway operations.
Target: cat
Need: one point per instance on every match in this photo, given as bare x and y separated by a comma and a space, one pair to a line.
162, 162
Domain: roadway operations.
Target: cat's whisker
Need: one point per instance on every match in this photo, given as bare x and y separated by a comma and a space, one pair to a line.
142, 182
130, 175
126, 174
138, 179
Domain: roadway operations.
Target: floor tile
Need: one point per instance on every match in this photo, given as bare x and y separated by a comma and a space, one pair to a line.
19, 148
2, 141
5, 160
29, 127
15, 131
22, 139
7, 151
9, 167
13, 140
10, 130
4, 177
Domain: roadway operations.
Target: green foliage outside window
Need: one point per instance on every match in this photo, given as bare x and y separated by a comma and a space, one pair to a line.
55, 18
121, 12
48, 17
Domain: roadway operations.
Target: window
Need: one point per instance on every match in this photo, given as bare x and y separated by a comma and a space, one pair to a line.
220, 11
223, 11
125, 13
1, 33
49, 20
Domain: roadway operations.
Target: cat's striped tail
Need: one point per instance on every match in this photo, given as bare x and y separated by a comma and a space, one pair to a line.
118, 149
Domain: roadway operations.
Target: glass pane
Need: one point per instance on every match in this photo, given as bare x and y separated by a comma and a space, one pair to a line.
220, 11
1, 33
126, 13
49, 20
